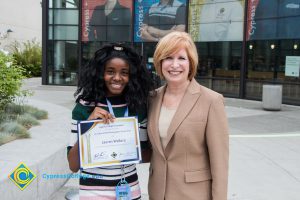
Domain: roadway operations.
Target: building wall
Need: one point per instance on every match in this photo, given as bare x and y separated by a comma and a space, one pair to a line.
24, 18
242, 44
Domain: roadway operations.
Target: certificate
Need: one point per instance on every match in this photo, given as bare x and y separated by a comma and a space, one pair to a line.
102, 144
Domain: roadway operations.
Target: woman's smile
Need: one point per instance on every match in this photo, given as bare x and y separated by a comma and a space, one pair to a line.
116, 76
175, 68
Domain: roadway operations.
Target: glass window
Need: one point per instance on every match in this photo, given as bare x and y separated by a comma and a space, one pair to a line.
50, 32
274, 61
50, 16
62, 62
260, 66
219, 59
65, 32
63, 3
219, 66
262, 59
63, 16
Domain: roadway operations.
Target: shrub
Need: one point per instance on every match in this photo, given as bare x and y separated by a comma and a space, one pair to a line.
16, 119
28, 55
10, 80
6, 137
15, 129
14, 109
37, 113
27, 120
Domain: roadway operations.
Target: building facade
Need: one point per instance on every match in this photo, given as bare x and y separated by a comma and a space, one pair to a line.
242, 44
20, 21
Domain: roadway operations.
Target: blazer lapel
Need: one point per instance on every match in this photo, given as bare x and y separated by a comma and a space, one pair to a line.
188, 100
155, 111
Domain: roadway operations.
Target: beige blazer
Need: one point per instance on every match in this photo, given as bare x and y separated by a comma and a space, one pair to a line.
194, 164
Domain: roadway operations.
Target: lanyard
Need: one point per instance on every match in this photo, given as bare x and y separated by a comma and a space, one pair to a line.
111, 109
122, 188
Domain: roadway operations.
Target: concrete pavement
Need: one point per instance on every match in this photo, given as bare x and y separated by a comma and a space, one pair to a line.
264, 147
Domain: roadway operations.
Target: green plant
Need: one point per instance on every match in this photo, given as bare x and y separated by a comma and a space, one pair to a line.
6, 137
37, 113
14, 128
16, 119
28, 55
10, 80
19, 109
14, 109
27, 120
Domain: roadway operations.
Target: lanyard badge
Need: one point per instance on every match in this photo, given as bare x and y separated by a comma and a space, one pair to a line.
123, 191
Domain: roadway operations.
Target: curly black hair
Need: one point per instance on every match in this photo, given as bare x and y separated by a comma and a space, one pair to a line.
91, 86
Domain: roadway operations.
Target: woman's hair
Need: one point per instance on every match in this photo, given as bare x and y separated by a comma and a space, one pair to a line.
91, 86
172, 43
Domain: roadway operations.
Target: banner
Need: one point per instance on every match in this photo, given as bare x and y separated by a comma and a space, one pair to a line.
220, 20
104, 20
153, 20
273, 19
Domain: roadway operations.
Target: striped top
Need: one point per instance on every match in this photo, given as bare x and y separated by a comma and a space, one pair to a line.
100, 183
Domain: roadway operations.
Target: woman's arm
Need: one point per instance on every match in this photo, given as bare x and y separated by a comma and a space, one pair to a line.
146, 35
159, 33
73, 154
218, 148
146, 154
73, 158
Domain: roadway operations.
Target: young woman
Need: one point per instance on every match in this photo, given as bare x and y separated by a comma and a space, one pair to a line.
114, 81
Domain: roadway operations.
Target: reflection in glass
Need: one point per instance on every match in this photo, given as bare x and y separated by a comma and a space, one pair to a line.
50, 16
66, 17
63, 62
50, 32
295, 46
63, 3
219, 66
65, 33
267, 62
262, 60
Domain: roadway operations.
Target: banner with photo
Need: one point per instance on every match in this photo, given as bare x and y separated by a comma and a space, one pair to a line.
273, 19
154, 19
106, 20
220, 20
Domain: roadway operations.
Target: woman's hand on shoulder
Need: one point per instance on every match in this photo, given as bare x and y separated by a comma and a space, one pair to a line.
100, 113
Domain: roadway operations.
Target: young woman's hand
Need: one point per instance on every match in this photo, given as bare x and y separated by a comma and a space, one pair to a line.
100, 113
